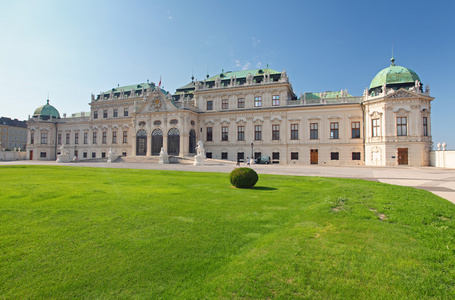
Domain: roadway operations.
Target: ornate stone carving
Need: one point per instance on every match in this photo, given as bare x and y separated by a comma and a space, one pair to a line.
401, 94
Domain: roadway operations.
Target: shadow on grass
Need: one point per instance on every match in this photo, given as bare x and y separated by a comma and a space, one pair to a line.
264, 188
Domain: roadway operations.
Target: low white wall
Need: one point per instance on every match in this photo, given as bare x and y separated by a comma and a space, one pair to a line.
13, 155
442, 158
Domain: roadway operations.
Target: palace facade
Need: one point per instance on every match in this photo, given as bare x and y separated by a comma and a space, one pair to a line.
248, 113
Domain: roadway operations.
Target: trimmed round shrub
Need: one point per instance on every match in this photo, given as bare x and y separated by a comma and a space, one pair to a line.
243, 178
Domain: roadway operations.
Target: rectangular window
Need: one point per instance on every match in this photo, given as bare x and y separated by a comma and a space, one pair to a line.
294, 131
76, 138
32, 138
314, 131
241, 133
94, 138
334, 156
104, 139
257, 101
103, 154
59, 138
224, 133
95, 114
93, 154
425, 126
240, 156
275, 132
241, 103
209, 134
375, 127
224, 104
208, 154
125, 137
402, 126
355, 128
85, 137
275, 100
84, 155
105, 113
275, 155
257, 132
125, 112
115, 113
43, 138
334, 130
114, 137
224, 155
43, 154
210, 105
355, 155
67, 139
294, 155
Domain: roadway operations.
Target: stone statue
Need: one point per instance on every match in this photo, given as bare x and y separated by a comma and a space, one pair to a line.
111, 156
64, 156
218, 82
93, 97
427, 89
249, 79
417, 85
164, 157
200, 154
384, 87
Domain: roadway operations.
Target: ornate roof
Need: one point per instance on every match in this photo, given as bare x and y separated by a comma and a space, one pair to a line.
46, 111
394, 75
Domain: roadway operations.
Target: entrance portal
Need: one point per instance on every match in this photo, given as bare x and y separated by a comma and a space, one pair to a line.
314, 157
157, 141
173, 141
31, 154
141, 142
402, 156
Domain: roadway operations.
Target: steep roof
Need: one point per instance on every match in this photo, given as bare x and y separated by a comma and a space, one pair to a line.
243, 74
12, 122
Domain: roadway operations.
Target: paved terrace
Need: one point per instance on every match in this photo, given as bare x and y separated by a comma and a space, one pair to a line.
436, 180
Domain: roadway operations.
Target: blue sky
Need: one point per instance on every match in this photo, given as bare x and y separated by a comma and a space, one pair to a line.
71, 49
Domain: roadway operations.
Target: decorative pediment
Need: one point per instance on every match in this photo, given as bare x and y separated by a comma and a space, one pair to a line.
402, 93
376, 115
155, 102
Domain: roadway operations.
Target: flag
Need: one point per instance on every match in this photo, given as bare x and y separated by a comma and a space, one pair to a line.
159, 84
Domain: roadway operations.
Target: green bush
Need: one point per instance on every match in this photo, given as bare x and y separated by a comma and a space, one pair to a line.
243, 178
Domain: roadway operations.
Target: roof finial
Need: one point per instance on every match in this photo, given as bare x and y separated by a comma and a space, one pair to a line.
207, 72
192, 75
392, 60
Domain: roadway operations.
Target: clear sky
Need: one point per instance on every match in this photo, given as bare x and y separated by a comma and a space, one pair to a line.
70, 49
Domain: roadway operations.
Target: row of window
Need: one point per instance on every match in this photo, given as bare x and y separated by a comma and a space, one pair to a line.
402, 126
276, 155
85, 138
84, 154
241, 102
314, 132
106, 113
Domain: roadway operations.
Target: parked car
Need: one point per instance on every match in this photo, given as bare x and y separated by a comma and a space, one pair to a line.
263, 160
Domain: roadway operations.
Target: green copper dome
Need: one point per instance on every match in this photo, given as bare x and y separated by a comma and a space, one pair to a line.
46, 112
394, 75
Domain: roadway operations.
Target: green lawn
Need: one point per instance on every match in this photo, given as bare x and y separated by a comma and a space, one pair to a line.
70, 232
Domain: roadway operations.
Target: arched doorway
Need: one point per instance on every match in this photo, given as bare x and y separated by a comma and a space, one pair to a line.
173, 141
192, 141
157, 141
141, 142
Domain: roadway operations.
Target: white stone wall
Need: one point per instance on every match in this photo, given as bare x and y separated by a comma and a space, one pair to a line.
442, 158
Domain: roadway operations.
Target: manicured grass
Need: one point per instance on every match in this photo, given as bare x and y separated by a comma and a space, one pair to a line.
70, 232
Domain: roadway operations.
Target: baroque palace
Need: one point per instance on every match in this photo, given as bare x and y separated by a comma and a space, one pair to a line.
244, 114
